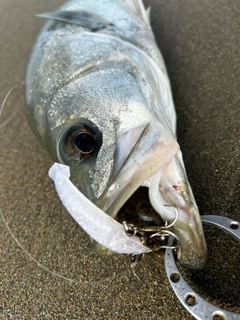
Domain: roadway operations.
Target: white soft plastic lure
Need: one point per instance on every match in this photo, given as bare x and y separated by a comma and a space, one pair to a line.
101, 227
100, 101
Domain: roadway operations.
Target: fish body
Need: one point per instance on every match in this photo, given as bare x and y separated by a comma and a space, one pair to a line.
99, 100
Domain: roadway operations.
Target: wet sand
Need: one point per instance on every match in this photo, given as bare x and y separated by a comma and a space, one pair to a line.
48, 269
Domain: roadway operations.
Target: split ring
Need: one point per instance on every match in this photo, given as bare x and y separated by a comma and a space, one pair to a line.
193, 302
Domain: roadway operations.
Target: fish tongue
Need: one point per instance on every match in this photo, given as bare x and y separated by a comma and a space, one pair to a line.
101, 227
172, 188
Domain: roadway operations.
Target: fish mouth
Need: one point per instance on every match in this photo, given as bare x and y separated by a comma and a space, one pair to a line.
154, 161
161, 169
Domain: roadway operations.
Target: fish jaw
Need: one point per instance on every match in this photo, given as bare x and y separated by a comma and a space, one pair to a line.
172, 189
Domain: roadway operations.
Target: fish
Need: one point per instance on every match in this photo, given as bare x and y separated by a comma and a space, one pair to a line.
98, 98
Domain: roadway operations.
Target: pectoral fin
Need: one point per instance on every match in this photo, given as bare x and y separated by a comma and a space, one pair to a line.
138, 8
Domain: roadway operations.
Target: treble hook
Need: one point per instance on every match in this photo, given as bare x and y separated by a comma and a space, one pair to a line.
158, 231
167, 233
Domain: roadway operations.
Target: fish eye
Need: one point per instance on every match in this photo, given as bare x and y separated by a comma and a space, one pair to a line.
83, 141
79, 141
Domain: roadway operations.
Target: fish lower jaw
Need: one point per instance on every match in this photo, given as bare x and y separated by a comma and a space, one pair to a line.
175, 198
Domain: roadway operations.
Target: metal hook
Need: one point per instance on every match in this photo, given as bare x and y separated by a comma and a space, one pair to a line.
167, 233
128, 229
167, 226
158, 231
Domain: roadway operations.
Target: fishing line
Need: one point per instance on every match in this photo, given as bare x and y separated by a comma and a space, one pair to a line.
27, 253
52, 272
3, 105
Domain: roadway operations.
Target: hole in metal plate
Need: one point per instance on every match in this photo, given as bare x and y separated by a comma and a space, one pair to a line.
175, 277
190, 299
218, 315
234, 225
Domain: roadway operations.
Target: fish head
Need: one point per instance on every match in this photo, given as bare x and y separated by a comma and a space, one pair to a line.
99, 125
103, 129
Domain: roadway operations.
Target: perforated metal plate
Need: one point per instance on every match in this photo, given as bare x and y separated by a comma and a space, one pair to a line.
193, 302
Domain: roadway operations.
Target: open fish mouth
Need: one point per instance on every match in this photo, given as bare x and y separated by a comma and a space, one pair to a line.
161, 169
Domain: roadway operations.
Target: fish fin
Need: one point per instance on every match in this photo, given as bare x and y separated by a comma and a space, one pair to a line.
148, 11
83, 18
137, 6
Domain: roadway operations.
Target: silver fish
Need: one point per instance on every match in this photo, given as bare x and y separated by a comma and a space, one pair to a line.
99, 99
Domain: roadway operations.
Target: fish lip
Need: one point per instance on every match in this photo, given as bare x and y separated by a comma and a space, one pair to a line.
197, 262
192, 253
